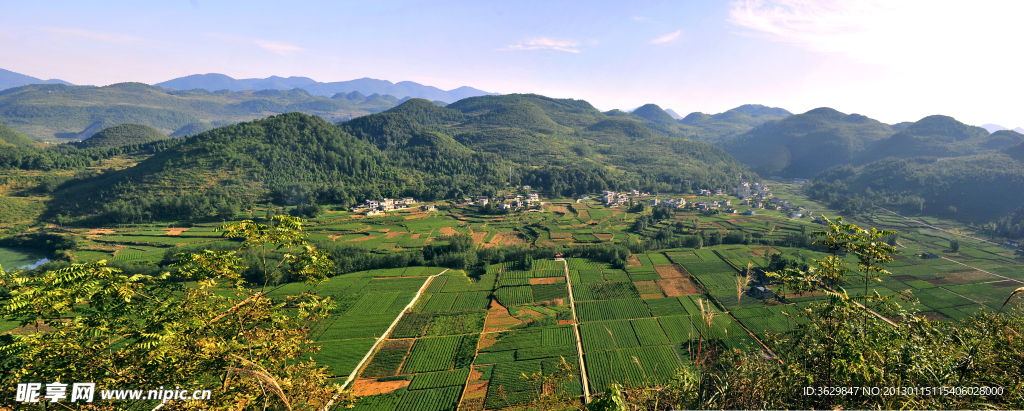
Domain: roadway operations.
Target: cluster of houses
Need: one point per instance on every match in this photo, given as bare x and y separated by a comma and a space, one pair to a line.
374, 207
507, 202
758, 195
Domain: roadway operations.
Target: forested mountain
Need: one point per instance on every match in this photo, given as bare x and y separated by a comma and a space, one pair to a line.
60, 113
808, 143
719, 127
9, 79
122, 135
804, 144
563, 134
418, 149
978, 188
367, 86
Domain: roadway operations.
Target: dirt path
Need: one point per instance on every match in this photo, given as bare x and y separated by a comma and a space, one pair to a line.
576, 329
384, 336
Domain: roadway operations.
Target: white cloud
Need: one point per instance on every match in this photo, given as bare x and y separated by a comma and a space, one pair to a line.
885, 32
668, 37
907, 56
275, 47
65, 34
544, 43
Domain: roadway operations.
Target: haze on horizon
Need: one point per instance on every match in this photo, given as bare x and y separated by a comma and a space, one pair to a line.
890, 61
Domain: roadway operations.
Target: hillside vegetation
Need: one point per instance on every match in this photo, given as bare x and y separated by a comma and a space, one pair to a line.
10, 137
121, 135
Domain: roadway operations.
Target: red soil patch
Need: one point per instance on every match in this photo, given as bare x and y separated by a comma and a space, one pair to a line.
176, 231
448, 231
100, 231
583, 213
675, 287
633, 261
604, 236
670, 271
508, 238
499, 319
547, 280
473, 399
479, 237
566, 322
370, 386
363, 238
395, 234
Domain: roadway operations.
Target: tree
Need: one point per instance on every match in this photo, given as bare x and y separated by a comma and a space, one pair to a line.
954, 245
200, 327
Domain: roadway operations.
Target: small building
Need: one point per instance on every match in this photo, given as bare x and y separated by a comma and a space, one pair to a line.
373, 211
504, 206
761, 292
929, 256
526, 187
750, 211
482, 200
533, 197
799, 180
429, 207
796, 215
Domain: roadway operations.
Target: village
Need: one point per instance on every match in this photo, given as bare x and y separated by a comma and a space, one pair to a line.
751, 196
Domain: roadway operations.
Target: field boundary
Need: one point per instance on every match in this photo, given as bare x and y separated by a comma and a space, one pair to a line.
384, 336
576, 329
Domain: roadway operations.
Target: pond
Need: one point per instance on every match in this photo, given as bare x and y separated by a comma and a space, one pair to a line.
24, 258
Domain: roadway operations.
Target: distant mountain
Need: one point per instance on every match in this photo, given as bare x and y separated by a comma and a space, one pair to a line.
60, 113
365, 86
10, 79
654, 113
937, 136
122, 135
804, 144
673, 114
721, 126
992, 128
1019, 129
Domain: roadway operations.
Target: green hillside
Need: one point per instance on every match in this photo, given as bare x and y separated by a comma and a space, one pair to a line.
122, 135
720, 127
977, 188
60, 113
13, 138
805, 144
563, 134
939, 136
654, 113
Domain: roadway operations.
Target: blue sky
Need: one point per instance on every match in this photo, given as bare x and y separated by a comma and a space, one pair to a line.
892, 61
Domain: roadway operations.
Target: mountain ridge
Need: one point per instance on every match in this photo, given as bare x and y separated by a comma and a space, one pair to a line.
367, 86
10, 79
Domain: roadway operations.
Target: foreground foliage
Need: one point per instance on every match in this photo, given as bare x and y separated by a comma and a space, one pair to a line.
201, 327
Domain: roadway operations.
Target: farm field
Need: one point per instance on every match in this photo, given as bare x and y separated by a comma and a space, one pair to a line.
472, 334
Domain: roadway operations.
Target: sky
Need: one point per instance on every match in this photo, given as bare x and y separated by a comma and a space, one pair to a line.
891, 61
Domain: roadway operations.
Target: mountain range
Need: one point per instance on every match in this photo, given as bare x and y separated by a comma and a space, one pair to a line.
367, 86
10, 79
992, 128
